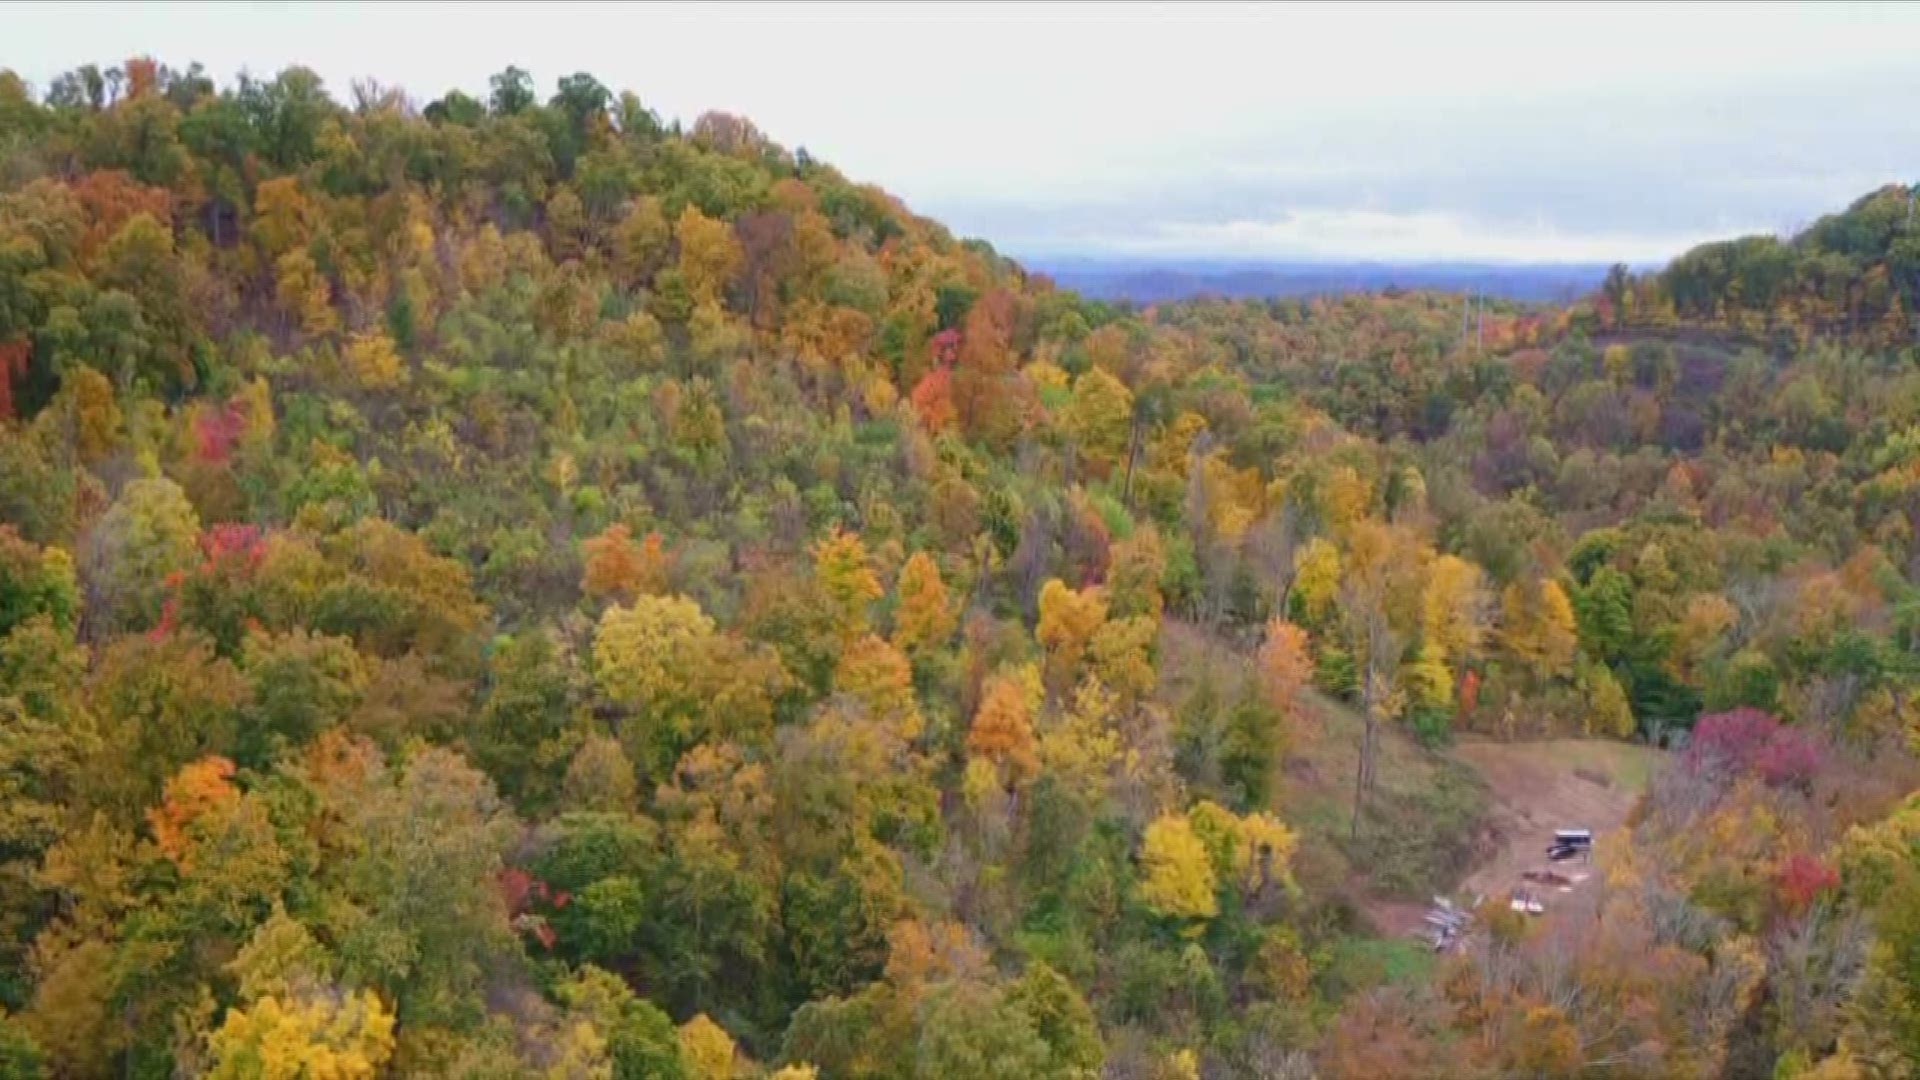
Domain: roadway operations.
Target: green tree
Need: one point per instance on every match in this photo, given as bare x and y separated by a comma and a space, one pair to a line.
149, 533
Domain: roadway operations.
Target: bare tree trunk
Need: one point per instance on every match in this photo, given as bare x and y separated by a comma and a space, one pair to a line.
1133, 453
1376, 673
1362, 780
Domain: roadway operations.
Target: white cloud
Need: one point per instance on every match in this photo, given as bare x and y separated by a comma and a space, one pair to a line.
1622, 126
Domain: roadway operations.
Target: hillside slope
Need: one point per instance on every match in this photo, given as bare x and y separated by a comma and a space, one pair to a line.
526, 588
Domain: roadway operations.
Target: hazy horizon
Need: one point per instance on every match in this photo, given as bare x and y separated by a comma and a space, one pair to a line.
1253, 135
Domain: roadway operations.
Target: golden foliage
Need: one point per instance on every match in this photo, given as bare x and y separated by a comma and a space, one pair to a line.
1002, 731
925, 618
1177, 873
708, 1050
325, 1037
845, 575
1069, 619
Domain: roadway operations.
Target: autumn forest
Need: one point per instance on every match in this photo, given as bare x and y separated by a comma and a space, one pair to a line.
525, 588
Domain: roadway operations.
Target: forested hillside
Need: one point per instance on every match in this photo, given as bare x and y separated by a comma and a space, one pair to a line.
514, 588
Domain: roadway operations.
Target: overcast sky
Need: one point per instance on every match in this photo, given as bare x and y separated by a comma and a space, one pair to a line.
1493, 133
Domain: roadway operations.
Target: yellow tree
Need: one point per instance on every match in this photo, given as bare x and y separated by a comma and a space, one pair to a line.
321, 1037
304, 293
1703, 625
709, 255
1429, 681
641, 652
1379, 602
1069, 619
283, 216
1177, 877
1454, 608
1080, 750
707, 1050
1099, 417
845, 575
1316, 580
925, 619
374, 362
640, 241
1265, 855
879, 676
1121, 655
1537, 626
1345, 498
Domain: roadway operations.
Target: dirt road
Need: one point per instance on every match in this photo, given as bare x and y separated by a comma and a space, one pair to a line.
1537, 787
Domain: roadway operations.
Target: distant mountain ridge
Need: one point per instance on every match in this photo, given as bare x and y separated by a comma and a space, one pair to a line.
1154, 282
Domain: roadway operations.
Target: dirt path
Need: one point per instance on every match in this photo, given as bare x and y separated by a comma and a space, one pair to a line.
1537, 787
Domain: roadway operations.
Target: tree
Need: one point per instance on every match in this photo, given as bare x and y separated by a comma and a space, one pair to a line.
1098, 417
21, 1057
1069, 619
1176, 873
967, 1029
512, 92
1603, 611
709, 255
641, 1041
520, 734
1135, 567
304, 294
196, 791
620, 569
880, 678
1379, 594
1286, 665
640, 652
846, 578
984, 367
425, 918
1062, 1019
1454, 615
97, 419
1316, 579
303, 683
162, 702
925, 619
150, 533
374, 362
35, 582
1121, 656
345, 1037
1538, 626
708, 1050
1888, 1021
641, 240
1610, 713
1002, 731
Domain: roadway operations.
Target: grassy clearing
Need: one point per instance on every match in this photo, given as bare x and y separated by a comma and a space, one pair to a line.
1370, 962
1626, 765
1418, 835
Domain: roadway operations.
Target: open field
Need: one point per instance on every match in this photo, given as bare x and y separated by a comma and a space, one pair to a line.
1465, 820
1423, 820
1538, 787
